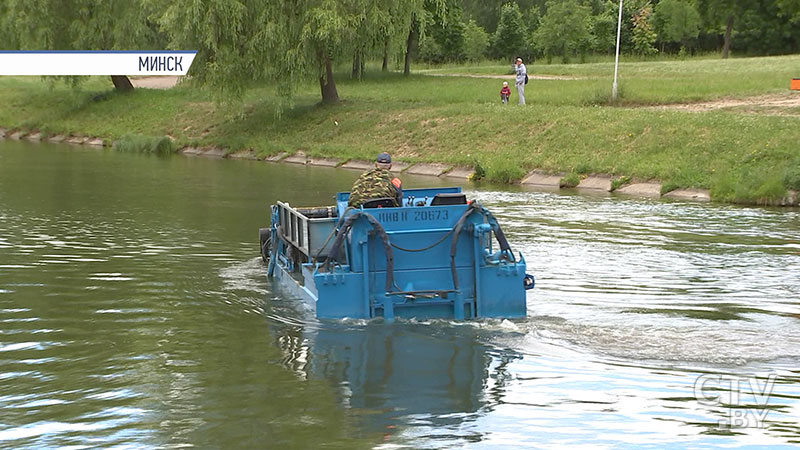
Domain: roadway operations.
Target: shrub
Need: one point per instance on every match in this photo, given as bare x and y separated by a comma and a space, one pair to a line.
669, 186
570, 180
619, 182
145, 144
479, 173
503, 171
791, 179
753, 187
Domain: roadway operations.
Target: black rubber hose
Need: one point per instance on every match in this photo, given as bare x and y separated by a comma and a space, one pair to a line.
501, 237
387, 248
331, 234
340, 235
456, 232
346, 226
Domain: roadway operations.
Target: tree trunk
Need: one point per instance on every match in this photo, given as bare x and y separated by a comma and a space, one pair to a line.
122, 83
355, 73
412, 34
727, 46
327, 85
385, 63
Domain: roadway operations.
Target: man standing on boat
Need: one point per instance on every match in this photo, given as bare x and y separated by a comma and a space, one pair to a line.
377, 183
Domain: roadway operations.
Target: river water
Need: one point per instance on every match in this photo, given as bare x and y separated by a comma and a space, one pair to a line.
135, 312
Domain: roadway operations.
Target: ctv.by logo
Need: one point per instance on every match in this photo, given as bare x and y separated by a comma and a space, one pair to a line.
728, 391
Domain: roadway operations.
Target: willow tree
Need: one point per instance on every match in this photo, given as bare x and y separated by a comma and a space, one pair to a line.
384, 26
8, 35
86, 25
375, 25
226, 36
242, 42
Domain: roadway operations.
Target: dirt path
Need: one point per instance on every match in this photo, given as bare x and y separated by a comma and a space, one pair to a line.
154, 82
502, 77
773, 104
787, 103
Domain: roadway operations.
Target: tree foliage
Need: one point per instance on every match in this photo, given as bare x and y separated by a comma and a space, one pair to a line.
8, 33
476, 41
565, 29
509, 40
604, 28
288, 41
84, 25
445, 37
723, 14
767, 30
643, 35
676, 21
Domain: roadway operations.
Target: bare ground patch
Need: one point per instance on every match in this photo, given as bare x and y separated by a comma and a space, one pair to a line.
786, 103
504, 77
154, 82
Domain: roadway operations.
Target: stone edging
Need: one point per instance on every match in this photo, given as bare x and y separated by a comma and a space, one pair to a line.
534, 179
36, 136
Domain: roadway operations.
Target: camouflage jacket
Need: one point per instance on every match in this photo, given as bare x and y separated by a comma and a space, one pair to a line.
372, 184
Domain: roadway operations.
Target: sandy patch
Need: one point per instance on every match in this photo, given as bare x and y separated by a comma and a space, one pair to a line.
505, 77
765, 104
154, 82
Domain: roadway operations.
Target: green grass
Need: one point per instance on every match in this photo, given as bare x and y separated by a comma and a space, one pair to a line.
570, 180
145, 144
618, 182
660, 81
741, 154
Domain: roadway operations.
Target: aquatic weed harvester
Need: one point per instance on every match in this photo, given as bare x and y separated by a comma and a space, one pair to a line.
432, 257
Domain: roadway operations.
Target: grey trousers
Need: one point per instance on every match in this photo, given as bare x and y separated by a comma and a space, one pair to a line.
521, 93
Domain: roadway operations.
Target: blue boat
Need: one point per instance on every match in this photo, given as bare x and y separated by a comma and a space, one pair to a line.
432, 257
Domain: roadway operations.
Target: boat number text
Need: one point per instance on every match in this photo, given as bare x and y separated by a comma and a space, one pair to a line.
417, 216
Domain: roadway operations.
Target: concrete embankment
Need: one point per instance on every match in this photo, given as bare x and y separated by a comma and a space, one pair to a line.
534, 180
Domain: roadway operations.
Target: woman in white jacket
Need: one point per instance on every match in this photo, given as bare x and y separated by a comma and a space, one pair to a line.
521, 73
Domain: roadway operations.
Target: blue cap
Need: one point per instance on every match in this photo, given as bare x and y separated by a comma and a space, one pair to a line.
384, 158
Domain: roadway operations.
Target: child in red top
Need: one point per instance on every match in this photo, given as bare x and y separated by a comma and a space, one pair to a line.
505, 92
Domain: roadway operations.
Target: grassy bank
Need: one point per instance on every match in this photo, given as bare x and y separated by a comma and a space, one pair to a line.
742, 153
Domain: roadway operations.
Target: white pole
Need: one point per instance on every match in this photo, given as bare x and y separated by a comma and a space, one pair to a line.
616, 59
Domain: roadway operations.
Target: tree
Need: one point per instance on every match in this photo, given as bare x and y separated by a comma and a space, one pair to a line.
288, 41
676, 21
420, 14
565, 29
509, 38
486, 13
394, 34
604, 29
716, 12
768, 29
630, 8
532, 18
8, 32
643, 34
450, 33
87, 25
476, 41
444, 40
377, 31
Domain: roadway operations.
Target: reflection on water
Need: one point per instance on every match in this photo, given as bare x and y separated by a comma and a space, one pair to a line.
135, 312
